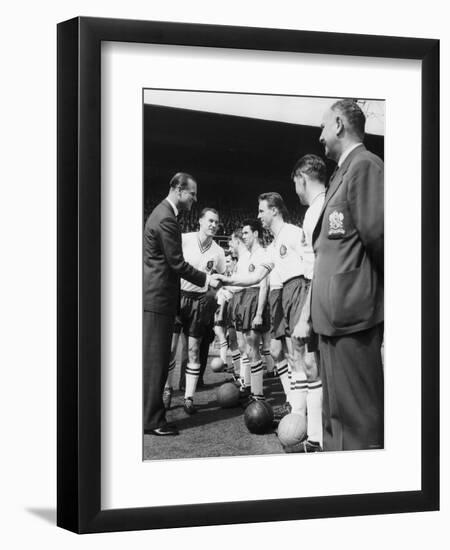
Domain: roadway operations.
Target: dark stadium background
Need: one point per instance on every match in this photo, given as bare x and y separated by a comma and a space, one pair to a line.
233, 159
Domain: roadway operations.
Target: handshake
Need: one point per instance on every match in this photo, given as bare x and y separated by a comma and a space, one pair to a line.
215, 280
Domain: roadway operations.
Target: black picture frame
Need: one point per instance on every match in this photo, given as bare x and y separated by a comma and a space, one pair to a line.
79, 275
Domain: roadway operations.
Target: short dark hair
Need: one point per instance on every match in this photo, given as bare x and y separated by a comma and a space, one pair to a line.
312, 165
275, 200
237, 233
231, 255
181, 180
207, 209
354, 115
254, 224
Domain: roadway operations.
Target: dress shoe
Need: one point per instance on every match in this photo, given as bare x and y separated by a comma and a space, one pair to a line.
167, 429
189, 406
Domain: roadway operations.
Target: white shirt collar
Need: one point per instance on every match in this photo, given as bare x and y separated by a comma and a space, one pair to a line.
175, 209
316, 197
346, 153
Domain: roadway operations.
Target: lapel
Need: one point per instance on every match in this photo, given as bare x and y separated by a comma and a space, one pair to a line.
334, 184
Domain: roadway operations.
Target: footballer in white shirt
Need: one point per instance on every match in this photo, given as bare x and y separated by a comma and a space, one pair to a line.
252, 315
309, 177
285, 254
197, 306
223, 325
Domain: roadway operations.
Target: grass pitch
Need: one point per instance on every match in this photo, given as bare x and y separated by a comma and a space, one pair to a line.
213, 431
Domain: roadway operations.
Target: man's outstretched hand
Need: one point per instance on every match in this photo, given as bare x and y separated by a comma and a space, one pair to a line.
215, 281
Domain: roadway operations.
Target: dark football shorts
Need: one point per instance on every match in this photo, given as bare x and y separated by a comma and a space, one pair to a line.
245, 311
277, 321
196, 313
293, 298
233, 306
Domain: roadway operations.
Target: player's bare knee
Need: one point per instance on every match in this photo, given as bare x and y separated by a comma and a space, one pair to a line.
298, 347
310, 363
276, 350
252, 353
251, 341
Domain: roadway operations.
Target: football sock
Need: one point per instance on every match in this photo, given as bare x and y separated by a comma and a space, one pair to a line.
299, 390
192, 374
283, 373
245, 370
223, 348
267, 359
314, 408
257, 378
236, 358
291, 383
289, 373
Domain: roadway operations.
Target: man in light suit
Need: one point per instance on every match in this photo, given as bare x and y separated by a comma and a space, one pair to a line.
164, 265
348, 285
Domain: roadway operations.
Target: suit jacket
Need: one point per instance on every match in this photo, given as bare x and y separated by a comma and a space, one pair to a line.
164, 263
348, 241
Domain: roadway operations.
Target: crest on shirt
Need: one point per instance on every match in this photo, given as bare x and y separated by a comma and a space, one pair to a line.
283, 250
251, 268
336, 223
209, 265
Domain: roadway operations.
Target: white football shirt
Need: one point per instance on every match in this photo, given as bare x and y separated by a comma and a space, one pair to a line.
239, 268
207, 259
275, 281
309, 223
286, 252
250, 262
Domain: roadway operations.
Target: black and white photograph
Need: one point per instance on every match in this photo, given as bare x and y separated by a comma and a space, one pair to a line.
263, 274
202, 347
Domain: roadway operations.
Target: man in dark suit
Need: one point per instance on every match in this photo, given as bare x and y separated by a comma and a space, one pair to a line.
348, 285
164, 265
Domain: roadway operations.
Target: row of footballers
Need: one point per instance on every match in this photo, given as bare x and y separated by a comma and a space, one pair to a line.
265, 298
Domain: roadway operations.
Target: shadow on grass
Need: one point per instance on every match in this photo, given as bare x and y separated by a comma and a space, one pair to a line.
211, 412
206, 414
214, 431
